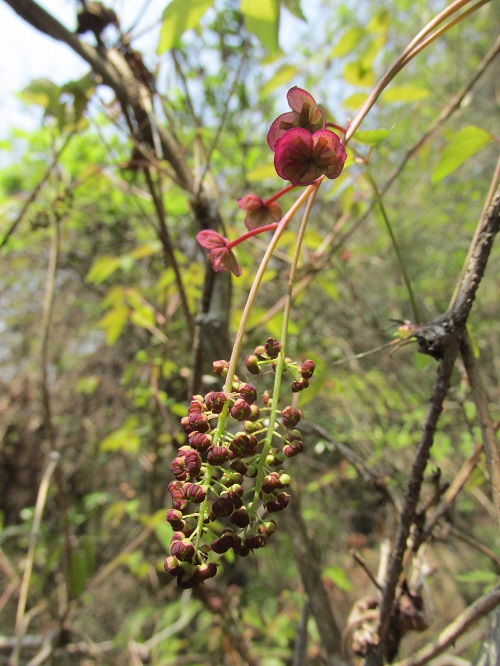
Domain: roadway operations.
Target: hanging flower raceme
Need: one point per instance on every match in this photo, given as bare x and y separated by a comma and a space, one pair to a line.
219, 498
302, 157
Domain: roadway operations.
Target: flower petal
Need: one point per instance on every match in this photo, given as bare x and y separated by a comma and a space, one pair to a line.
297, 97
282, 123
210, 239
221, 259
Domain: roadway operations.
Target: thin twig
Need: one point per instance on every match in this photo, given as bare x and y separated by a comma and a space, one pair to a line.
469, 617
485, 421
36, 190
168, 250
37, 519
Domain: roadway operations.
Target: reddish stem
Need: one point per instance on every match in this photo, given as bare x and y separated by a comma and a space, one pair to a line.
337, 127
279, 194
254, 232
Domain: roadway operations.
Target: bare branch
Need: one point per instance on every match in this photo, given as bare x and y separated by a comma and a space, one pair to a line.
455, 629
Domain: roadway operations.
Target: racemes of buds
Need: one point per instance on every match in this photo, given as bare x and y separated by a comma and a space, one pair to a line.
225, 482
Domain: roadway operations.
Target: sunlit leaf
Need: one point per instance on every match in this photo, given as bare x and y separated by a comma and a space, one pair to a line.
348, 42
355, 101
358, 74
371, 137
102, 268
404, 94
263, 19
282, 76
88, 384
338, 577
294, 8
179, 17
124, 439
43, 92
114, 322
461, 148
261, 173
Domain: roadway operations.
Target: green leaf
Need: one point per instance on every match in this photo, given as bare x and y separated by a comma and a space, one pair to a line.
102, 268
371, 137
358, 74
43, 92
114, 323
261, 173
294, 8
348, 42
123, 439
339, 578
179, 17
282, 76
263, 20
462, 147
355, 101
88, 384
405, 94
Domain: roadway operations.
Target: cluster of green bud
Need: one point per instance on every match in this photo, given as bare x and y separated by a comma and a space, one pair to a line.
227, 479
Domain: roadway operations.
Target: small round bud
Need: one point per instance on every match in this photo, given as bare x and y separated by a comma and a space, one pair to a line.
272, 347
252, 363
291, 416
215, 401
240, 517
217, 455
248, 392
240, 410
220, 368
307, 369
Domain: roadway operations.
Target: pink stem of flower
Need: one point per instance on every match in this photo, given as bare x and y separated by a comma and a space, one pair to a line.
254, 232
279, 194
337, 127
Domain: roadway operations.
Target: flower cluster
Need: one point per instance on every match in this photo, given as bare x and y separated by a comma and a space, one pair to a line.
225, 482
304, 150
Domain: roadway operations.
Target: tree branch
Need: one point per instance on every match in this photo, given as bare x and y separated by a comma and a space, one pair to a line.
455, 629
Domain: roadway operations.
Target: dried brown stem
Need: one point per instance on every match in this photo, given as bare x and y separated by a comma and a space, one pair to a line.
310, 572
485, 421
469, 617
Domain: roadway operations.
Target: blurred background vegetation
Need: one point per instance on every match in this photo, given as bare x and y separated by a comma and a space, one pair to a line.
96, 360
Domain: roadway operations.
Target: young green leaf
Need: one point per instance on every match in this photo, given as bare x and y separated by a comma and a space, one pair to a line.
179, 17
263, 20
462, 147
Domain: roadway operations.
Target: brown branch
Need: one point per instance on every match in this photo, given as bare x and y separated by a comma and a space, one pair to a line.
487, 428
441, 339
310, 573
169, 257
469, 617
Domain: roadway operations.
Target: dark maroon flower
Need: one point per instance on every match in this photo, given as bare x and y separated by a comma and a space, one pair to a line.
240, 410
302, 157
182, 550
194, 492
291, 416
215, 401
217, 455
307, 369
220, 255
305, 113
259, 212
252, 363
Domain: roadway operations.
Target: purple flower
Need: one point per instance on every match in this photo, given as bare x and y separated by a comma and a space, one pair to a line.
220, 254
302, 157
259, 212
305, 113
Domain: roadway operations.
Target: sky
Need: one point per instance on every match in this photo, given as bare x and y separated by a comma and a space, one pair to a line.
27, 54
